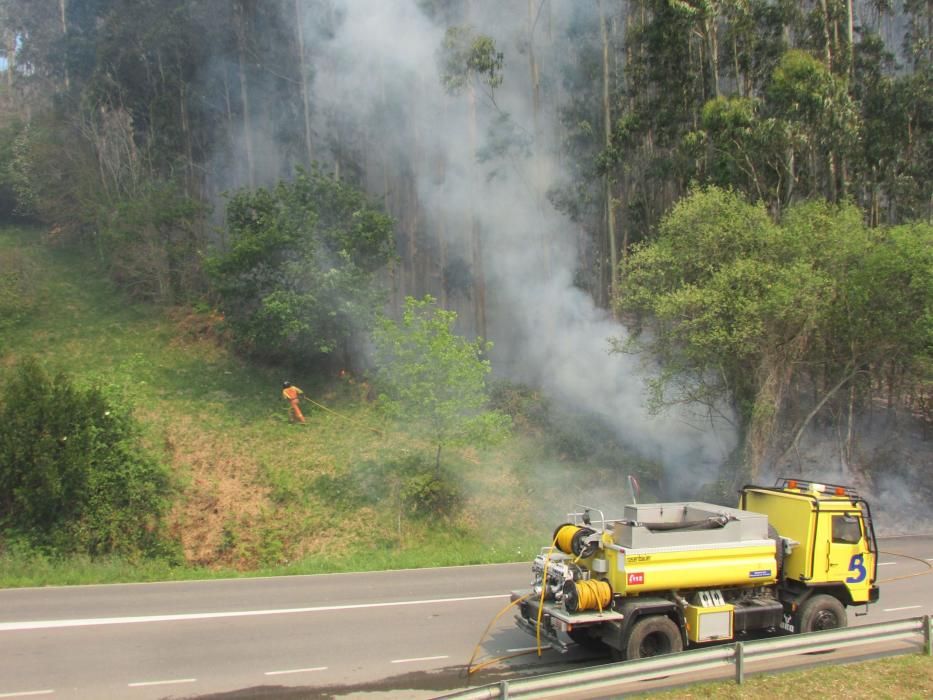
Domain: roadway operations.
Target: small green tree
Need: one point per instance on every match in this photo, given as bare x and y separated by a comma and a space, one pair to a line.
433, 380
299, 277
73, 474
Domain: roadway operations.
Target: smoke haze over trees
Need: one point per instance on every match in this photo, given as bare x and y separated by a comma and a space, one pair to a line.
525, 151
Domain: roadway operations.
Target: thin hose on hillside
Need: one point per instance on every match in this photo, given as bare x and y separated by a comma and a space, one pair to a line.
340, 415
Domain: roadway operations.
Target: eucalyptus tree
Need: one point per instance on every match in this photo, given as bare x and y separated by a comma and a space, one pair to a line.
470, 61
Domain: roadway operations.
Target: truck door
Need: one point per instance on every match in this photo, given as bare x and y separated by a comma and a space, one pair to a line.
849, 558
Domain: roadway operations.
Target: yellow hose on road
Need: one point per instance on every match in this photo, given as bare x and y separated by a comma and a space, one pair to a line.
473, 669
914, 575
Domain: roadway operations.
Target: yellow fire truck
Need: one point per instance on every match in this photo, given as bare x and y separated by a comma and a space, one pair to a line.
667, 576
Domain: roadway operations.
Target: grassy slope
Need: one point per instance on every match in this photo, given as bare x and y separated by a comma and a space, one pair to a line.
246, 500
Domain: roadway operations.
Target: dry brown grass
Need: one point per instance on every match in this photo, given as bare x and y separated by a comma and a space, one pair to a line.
221, 492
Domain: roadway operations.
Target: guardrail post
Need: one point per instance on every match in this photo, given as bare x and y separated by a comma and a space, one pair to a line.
739, 663
504, 690
928, 635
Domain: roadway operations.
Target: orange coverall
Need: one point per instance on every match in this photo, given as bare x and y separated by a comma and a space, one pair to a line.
291, 393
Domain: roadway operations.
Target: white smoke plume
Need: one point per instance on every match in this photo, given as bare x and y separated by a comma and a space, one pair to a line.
381, 70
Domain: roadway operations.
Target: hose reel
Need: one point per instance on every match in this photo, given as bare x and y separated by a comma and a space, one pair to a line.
573, 539
591, 594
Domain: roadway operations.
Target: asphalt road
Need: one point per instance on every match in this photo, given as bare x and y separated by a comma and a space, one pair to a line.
396, 633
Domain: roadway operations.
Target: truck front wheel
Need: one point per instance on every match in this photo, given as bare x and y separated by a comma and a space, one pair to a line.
821, 612
653, 636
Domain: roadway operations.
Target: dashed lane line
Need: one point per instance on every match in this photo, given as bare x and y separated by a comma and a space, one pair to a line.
906, 607
296, 670
26, 693
420, 658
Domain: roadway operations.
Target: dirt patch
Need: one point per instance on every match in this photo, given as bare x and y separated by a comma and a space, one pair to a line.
221, 497
198, 327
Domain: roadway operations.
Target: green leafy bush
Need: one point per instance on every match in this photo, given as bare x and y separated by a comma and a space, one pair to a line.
73, 474
298, 278
412, 483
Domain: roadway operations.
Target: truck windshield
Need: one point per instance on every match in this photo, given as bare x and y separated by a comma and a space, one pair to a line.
846, 529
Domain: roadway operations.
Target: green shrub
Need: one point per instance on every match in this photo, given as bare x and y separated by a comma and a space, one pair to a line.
527, 407
73, 475
412, 483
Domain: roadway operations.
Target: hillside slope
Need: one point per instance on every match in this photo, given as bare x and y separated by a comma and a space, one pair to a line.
254, 491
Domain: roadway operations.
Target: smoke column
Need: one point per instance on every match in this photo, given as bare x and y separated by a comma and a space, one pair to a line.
382, 70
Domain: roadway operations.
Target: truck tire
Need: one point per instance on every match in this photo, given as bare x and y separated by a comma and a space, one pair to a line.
653, 636
821, 612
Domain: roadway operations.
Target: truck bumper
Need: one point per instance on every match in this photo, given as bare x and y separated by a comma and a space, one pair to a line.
554, 620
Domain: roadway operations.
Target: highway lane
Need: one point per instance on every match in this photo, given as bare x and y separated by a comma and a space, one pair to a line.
411, 631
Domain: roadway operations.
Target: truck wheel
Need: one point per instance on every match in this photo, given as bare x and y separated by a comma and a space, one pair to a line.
821, 612
653, 636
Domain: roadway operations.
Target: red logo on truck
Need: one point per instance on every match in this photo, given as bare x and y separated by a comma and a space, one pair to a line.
636, 579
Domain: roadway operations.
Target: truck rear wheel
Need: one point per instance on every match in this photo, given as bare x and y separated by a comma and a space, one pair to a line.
653, 636
821, 612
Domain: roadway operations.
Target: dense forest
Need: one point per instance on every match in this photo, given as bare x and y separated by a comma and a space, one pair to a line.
706, 224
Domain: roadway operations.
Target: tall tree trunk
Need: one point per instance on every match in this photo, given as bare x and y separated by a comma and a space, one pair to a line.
533, 65
62, 10
476, 243
712, 39
827, 42
186, 131
303, 80
739, 77
607, 180
850, 35
244, 94
535, 75
10, 63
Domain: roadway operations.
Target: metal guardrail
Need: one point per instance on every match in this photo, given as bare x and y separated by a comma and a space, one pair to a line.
737, 654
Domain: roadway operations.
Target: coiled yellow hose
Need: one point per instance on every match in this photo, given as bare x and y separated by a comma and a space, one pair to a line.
590, 595
564, 538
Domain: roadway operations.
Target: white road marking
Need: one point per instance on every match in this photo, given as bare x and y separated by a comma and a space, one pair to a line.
420, 658
515, 651
26, 693
906, 607
296, 670
887, 563
49, 624
143, 684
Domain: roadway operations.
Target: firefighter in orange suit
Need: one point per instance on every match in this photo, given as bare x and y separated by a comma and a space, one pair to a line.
292, 394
